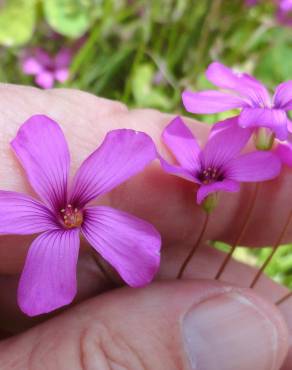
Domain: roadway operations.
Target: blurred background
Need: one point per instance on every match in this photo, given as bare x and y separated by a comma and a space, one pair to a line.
144, 53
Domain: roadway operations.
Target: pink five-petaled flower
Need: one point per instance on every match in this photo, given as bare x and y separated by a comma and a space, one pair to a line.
46, 68
244, 91
129, 244
219, 166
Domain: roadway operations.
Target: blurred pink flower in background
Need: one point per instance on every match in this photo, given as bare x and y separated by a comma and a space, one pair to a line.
284, 10
251, 2
47, 68
284, 13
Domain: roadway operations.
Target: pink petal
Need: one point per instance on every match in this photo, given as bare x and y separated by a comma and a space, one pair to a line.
63, 58
41, 148
211, 101
62, 75
284, 12
229, 125
130, 245
284, 153
285, 5
122, 154
43, 58
242, 83
274, 119
283, 96
183, 144
225, 185
289, 125
31, 66
45, 80
254, 167
226, 141
21, 214
48, 280
178, 171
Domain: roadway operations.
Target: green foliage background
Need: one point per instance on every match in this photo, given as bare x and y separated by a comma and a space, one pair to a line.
146, 52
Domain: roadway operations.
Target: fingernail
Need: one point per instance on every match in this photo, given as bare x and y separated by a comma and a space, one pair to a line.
229, 332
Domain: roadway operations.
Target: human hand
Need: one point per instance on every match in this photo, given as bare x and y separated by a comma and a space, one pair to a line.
170, 324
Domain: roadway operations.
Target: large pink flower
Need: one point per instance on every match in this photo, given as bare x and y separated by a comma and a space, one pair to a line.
219, 166
244, 91
129, 244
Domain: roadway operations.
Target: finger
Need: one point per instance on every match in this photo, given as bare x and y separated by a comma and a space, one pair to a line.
91, 282
85, 119
207, 262
174, 325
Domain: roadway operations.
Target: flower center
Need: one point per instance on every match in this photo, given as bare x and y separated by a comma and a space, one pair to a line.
72, 217
210, 175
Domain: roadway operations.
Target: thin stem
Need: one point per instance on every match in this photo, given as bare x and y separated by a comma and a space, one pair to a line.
241, 233
102, 269
283, 299
275, 247
195, 247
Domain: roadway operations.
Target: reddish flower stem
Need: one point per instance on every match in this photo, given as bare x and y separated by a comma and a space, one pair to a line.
195, 247
275, 247
283, 299
241, 233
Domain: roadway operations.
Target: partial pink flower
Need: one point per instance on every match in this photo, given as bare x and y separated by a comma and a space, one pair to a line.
46, 68
129, 244
284, 12
219, 166
245, 92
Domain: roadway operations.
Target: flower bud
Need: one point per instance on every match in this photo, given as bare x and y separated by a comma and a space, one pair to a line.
264, 138
210, 202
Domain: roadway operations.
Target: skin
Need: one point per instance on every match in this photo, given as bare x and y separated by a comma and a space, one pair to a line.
166, 201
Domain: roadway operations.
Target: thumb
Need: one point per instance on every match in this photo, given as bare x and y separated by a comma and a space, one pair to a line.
176, 325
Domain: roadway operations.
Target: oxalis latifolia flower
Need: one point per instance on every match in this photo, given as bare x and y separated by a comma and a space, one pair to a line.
219, 166
129, 244
243, 91
47, 68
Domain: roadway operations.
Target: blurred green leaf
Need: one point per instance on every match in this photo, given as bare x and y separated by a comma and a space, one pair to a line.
17, 19
276, 64
145, 94
71, 18
112, 69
